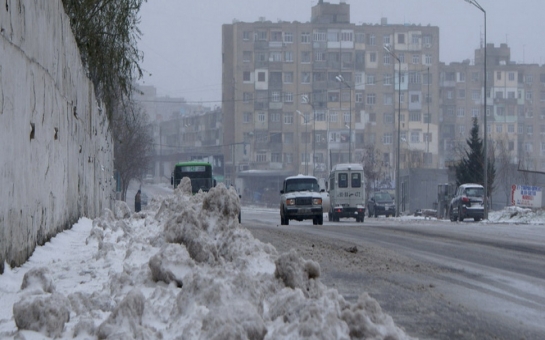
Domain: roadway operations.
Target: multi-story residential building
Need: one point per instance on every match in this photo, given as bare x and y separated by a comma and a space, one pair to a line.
515, 111
301, 97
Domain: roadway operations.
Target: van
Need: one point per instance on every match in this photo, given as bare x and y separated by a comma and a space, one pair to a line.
347, 192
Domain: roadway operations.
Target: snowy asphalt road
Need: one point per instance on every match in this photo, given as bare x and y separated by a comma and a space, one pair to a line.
438, 279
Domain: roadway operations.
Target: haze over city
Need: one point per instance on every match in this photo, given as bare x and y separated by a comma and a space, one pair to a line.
181, 40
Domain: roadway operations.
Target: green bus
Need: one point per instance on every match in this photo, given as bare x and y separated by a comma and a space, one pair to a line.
200, 174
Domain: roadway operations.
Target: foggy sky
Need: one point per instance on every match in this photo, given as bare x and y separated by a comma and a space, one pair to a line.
181, 39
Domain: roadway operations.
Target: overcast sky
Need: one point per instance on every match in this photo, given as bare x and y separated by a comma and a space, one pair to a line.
181, 39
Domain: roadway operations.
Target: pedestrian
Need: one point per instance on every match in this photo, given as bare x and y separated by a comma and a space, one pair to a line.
137, 202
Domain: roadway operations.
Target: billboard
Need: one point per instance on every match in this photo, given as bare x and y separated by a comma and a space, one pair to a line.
526, 196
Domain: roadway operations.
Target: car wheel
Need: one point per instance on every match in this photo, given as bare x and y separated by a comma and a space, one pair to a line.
315, 220
451, 215
460, 216
476, 219
321, 219
376, 215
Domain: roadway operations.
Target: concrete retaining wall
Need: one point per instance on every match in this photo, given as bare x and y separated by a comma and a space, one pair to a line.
56, 151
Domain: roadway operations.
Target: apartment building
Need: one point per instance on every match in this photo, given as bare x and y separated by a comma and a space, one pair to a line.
515, 108
301, 97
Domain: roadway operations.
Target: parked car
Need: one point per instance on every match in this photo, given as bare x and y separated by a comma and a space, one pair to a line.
381, 203
301, 199
468, 202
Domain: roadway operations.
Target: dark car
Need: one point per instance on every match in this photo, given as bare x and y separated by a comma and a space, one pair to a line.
381, 203
468, 202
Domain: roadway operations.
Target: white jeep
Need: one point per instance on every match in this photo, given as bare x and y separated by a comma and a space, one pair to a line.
300, 199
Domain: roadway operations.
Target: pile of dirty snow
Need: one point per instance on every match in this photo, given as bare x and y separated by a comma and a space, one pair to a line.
185, 269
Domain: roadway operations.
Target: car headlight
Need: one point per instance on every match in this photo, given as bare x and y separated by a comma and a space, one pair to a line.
290, 201
317, 201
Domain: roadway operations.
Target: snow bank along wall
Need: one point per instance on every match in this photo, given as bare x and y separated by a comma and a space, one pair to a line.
56, 151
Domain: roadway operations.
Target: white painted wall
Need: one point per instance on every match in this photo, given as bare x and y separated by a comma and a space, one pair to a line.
46, 184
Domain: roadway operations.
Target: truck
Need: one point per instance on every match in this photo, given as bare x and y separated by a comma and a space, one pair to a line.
347, 192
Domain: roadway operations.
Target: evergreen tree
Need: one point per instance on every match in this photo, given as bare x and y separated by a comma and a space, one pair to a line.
470, 168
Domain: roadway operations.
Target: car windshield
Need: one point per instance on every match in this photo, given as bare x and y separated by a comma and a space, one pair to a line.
302, 184
383, 196
474, 192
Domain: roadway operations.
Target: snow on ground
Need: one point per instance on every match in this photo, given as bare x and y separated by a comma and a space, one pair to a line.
183, 268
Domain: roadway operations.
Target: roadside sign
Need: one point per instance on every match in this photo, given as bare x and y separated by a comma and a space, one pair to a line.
526, 196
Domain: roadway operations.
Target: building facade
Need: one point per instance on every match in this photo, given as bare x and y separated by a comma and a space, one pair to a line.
301, 97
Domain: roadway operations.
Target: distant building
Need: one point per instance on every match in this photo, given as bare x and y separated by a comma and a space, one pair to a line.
287, 111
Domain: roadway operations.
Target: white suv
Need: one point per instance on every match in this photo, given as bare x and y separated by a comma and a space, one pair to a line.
300, 199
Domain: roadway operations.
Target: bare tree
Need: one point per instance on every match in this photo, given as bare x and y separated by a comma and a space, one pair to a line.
373, 167
133, 143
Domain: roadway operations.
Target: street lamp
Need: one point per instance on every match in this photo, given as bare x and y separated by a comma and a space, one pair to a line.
476, 4
398, 200
306, 136
307, 101
341, 80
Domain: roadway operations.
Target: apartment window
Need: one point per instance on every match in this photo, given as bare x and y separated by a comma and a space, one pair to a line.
288, 37
320, 36
462, 77
427, 59
386, 59
246, 76
370, 79
275, 56
305, 38
247, 56
288, 56
260, 76
261, 117
498, 75
247, 117
261, 35
288, 77
288, 158
401, 38
288, 118
386, 39
372, 40
373, 117
415, 137
415, 38
371, 99
474, 112
427, 118
511, 128
288, 138
426, 137
475, 76
529, 95
401, 57
476, 94
305, 77
449, 94
305, 57
333, 36
388, 99
319, 116
387, 79
276, 157
387, 138
346, 36
275, 96
426, 39
288, 97
388, 118
416, 58
461, 112
333, 96
346, 117
360, 37
414, 116
511, 76
373, 57
319, 56
261, 157
333, 116
246, 35
415, 98
529, 78
415, 78
247, 97
359, 97
461, 93
499, 128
